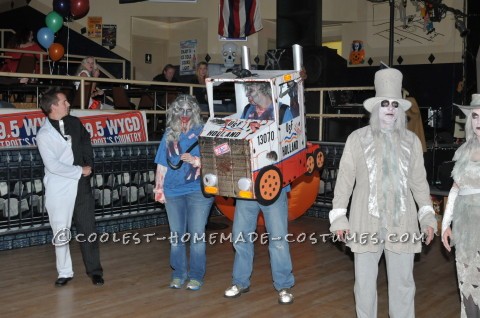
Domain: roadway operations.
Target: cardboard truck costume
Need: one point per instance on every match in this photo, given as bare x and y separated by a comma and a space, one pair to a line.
255, 159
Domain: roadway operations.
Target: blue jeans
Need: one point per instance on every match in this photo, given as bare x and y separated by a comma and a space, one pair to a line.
188, 214
245, 223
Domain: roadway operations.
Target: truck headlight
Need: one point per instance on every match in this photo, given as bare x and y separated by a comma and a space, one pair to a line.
210, 180
245, 187
210, 183
244, 184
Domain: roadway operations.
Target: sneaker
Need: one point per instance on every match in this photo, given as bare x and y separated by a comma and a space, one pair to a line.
285, 297
176, 283
235, 291
194, 284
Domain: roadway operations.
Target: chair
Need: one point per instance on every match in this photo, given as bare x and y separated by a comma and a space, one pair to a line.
120, 98
76, 103
27, 64
146, 102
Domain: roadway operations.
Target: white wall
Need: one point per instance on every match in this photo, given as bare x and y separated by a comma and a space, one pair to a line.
120, 14
369, 22
350, 20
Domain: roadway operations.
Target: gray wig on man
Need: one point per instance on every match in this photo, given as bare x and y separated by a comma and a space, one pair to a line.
174, 113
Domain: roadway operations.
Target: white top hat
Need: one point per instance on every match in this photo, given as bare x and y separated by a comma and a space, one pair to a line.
474, 104
388, 86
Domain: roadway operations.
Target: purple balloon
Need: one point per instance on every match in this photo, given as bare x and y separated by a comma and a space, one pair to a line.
62, 7
45, 37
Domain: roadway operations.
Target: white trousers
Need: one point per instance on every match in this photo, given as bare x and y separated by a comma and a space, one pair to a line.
401, 286
61, 222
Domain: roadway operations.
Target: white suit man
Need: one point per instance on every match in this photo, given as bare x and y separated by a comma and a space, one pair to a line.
67, 155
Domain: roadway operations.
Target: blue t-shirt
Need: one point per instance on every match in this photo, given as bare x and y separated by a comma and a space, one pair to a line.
187, 178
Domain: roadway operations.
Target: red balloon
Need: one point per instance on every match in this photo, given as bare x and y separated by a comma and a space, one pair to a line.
56, 51
79, 8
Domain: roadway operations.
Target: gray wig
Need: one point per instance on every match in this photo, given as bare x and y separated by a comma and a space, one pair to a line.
263, 87
174, 112
463, 154
469, 134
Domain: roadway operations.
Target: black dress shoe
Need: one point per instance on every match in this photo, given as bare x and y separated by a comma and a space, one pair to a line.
62, 281
97, 280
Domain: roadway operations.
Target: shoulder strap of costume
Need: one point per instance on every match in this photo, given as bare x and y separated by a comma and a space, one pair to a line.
245, 110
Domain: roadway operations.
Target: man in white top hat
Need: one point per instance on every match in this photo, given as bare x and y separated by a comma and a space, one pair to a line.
382, 169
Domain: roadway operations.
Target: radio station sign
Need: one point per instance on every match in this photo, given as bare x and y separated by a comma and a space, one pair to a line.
20, 128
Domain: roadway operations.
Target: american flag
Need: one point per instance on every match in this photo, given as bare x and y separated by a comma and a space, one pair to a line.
239, 18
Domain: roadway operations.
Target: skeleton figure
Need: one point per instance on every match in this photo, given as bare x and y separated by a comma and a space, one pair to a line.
229, 53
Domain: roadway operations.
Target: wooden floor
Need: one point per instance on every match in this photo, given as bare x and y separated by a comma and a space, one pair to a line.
137, 275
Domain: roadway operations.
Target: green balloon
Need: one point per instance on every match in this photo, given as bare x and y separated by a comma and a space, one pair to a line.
54, 21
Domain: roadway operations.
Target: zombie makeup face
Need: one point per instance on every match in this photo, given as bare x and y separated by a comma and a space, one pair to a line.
388, 113
185, 114
251, 92
476, 122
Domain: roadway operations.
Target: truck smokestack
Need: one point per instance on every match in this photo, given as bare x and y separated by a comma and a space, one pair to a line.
297, 51
245, 58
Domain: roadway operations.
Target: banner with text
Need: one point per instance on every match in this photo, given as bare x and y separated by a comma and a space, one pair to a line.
19, 128
188, 57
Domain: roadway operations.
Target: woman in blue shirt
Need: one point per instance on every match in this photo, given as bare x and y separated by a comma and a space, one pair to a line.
177, 184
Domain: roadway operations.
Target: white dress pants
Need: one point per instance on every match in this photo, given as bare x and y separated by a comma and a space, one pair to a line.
401, 286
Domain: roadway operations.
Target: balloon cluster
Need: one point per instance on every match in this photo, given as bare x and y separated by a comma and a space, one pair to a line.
62, 9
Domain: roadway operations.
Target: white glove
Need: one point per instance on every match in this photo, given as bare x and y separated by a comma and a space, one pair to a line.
448, 214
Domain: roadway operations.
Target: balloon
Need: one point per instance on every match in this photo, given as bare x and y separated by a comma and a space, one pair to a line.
54, 21
56, 51
62, 7
79, 8
45, 37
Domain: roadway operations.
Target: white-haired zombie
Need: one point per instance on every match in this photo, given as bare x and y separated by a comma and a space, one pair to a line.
463, 208
382, 169
177, 184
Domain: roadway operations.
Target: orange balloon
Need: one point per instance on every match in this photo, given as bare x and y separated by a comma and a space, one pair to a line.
303, 193
56, 51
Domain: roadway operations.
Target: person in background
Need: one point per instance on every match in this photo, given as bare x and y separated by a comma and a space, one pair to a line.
415, 121
177, 185
88, 68
276, 217
66, 150
22, 40
382, 170
167, 75
463, 208
201, 93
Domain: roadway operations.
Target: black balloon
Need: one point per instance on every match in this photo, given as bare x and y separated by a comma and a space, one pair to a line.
62, 7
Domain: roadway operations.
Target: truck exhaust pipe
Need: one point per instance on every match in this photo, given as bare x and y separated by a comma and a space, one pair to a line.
245, 58
297, 51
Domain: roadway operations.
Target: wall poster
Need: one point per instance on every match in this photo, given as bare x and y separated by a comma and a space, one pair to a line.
109, 35
94, 27
188, 57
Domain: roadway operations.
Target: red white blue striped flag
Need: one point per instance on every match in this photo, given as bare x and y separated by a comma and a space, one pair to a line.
239, 18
